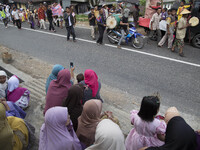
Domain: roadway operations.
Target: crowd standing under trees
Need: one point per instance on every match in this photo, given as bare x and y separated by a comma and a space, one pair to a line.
73, 117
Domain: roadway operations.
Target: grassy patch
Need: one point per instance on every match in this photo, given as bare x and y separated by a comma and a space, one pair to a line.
82, 17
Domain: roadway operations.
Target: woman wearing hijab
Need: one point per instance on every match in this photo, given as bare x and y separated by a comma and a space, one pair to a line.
16, 94
108, 137
6, 133
88, 122
179, 135
12, 109
3, 84
57, 132
53, 76
92, 86
73, 103
58, 90
14, 134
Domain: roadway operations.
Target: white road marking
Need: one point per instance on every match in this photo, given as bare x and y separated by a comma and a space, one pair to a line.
126, 49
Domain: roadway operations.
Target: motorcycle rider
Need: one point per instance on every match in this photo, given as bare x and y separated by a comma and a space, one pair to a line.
123, 25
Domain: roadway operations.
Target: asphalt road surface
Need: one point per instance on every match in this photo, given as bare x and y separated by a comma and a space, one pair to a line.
138, 72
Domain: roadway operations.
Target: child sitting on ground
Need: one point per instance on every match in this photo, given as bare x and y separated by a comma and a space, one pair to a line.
148, 130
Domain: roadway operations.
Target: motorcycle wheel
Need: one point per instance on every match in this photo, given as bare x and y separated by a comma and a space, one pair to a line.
138, 42
111, 36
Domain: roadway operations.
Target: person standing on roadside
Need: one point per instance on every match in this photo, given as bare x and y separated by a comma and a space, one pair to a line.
15, 15
154, 25
69, 23
41, 16
101, 26
92, 20
4, 18
50, 18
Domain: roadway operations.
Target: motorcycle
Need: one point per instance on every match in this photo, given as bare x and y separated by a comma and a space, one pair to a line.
136, 39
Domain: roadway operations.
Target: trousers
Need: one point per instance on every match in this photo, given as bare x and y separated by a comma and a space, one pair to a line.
70, 30
42, 24
101, 32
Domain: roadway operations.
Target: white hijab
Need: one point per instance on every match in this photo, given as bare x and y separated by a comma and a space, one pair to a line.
3, 86
13, 83
108, 137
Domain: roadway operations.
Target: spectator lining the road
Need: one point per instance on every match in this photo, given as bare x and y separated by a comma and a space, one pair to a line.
21, 133
6, 133
57, 132
147, 131
53, 76
108, 136
154, 25
58, 90
19, 95
179, 135
12, 109
88, 122
80, 77
92, 86
92, 22
14, 133
3, 84
73, 103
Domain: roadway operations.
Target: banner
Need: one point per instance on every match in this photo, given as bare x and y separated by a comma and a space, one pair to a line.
57, 10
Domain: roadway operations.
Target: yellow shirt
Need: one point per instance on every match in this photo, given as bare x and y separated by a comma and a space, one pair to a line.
180, 9
96, 13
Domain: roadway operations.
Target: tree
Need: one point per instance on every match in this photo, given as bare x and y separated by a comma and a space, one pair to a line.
142, 2
94, 2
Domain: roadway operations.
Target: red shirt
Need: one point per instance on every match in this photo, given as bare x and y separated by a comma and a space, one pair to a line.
41, 13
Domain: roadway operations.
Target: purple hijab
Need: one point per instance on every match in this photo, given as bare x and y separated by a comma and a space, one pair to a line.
58, 90
14, 91
54, 134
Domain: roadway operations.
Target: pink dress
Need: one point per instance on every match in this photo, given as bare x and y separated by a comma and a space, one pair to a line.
144, 133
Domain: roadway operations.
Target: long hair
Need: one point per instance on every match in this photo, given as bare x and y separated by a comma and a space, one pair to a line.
149, 108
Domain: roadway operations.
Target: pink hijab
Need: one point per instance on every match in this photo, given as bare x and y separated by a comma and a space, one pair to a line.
91, 79
58, 89
54, 134
14, 91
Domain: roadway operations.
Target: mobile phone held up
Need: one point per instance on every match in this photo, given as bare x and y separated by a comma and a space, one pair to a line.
71, 64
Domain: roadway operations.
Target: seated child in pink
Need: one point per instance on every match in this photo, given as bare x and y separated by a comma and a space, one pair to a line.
16, 94
148, 131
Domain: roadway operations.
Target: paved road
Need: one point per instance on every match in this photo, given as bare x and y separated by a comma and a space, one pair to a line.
152, 69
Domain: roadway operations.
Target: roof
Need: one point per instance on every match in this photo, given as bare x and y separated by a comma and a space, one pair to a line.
132, 1
26, 1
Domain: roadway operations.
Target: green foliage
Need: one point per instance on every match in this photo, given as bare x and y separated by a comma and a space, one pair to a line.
142, 2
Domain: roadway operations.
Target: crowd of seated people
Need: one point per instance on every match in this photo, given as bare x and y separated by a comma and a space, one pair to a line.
73, 119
